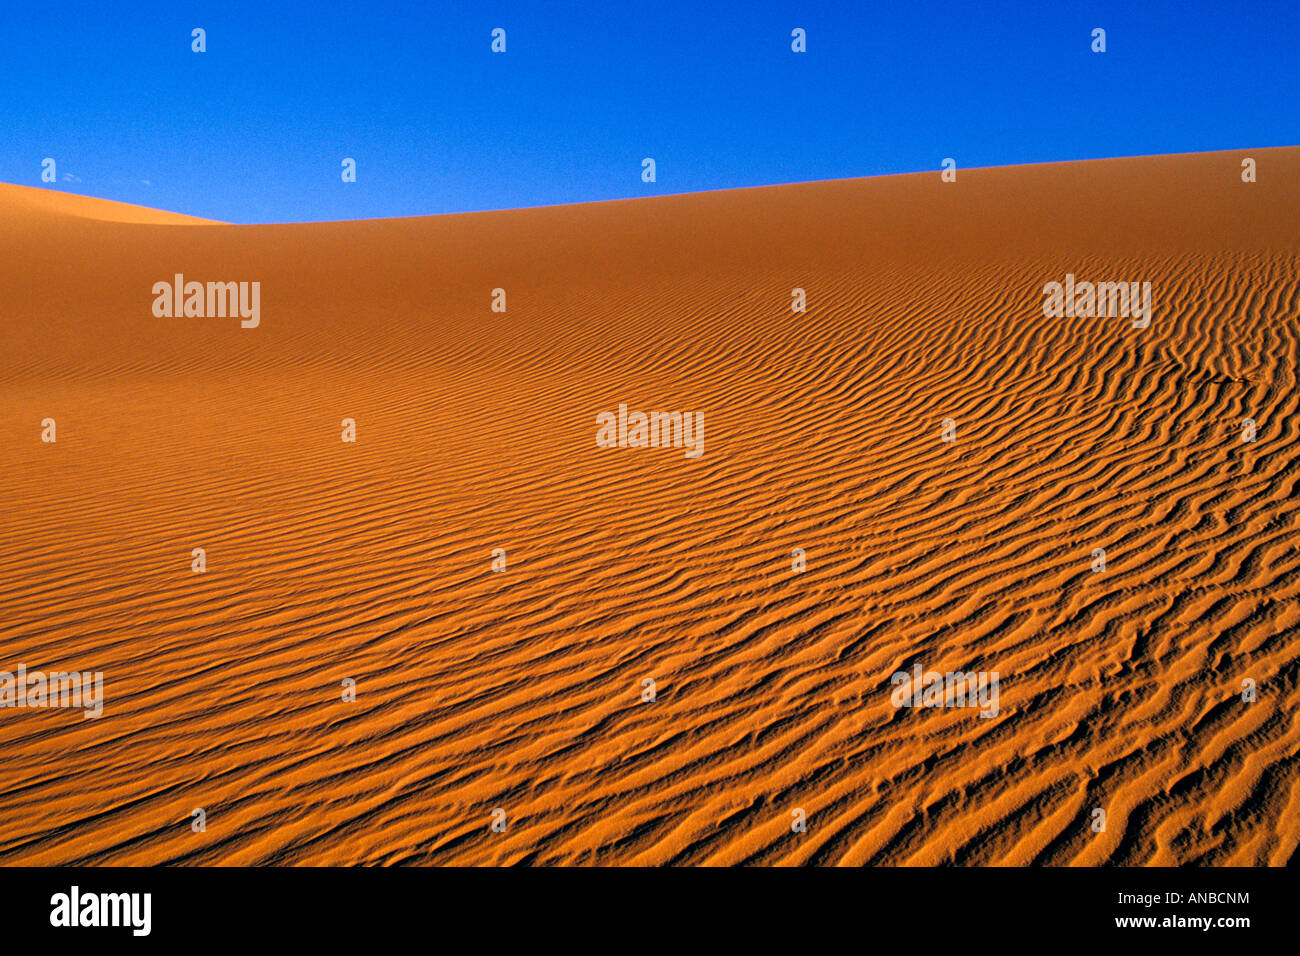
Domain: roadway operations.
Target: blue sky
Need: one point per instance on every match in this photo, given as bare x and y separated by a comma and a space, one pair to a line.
255, 129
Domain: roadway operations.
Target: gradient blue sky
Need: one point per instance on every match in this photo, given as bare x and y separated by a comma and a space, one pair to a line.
254, 130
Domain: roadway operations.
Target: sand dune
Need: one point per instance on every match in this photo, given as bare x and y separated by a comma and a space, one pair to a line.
23, 203
522, 690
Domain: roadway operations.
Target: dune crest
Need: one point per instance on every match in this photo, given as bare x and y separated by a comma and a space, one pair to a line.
20, 202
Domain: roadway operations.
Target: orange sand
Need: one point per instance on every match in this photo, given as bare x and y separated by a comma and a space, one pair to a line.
476, 430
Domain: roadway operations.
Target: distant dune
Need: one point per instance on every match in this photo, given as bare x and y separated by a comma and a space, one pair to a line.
1121, 689
23, 204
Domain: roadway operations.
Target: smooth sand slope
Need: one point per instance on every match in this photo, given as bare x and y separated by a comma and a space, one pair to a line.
521, 689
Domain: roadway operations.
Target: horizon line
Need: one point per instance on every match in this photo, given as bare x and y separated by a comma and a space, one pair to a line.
204, 221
